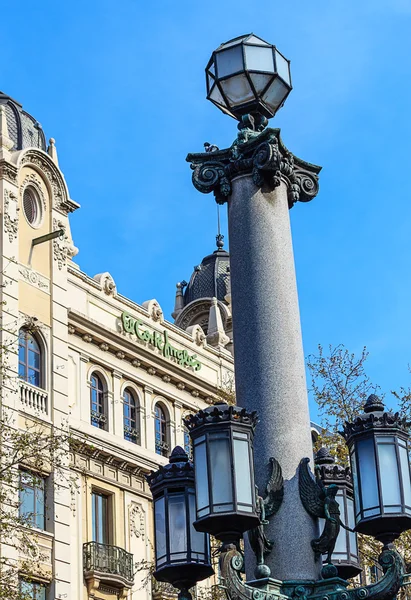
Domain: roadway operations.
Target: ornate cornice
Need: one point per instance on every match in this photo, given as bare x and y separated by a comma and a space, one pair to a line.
375, 421
265, 158
219, 413
39, 159
8, 171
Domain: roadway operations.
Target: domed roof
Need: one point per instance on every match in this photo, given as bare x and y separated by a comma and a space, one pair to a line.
24, 130
210, 278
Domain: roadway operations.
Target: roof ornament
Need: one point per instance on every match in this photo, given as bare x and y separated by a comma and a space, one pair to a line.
216, 336
52, 150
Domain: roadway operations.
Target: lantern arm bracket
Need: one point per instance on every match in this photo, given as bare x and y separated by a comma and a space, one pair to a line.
231, 565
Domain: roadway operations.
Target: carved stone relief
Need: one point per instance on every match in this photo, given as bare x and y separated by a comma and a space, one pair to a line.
62, 248
34, 278
11, 214
137, 520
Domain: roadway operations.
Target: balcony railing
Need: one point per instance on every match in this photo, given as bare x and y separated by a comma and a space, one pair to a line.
33, 398
109, 564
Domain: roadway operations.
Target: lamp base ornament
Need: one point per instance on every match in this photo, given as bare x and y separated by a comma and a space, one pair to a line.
334, 588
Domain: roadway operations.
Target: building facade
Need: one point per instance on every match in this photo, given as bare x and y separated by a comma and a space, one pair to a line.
116, 375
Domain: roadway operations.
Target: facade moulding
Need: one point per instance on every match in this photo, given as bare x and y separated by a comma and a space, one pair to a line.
91, 332
8, 171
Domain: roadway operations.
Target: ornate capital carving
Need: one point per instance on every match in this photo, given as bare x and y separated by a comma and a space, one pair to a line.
263, 156
11, 217
8, 171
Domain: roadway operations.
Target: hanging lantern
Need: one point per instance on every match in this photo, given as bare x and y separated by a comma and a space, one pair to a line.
223, 461
345, 556
379, 448
182, 553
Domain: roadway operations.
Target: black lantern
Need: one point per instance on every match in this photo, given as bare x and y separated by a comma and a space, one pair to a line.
182, 553
345, 556
248, 75
378, 444
223, 461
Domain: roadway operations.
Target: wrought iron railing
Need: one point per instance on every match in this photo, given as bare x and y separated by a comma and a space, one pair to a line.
108, 560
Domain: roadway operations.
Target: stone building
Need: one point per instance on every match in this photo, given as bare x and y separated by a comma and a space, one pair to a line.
117, 373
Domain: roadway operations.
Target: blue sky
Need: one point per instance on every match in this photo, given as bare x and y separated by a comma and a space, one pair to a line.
121, 88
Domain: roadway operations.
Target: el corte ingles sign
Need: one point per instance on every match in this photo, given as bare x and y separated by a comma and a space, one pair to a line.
159, 341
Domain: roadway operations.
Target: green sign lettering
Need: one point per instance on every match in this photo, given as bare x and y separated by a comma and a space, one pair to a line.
159, 341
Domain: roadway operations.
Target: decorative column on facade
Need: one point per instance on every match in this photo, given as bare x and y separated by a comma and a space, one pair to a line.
261, 180
179, 427
149, 413
117, 402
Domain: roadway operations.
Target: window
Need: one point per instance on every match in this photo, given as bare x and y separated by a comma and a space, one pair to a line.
32, 589
161, 431
100, 517
29, 359
32, 206
131, 429
97, 403
31, 499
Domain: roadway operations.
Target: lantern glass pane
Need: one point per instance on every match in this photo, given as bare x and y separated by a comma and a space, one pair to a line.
177, 524
210, 82
283, 67
275, 94
368, 475
211, 68
351, 524
355, 482
217, 97
160, 526
390, 484
255, 40
242, 472
405, 471
197, 539
341, 543
259, 59
260, 81
237, 90
230, 61
221, 475
201, 478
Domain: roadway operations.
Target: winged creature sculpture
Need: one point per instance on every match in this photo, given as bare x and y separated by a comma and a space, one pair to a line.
267, 507
319, 501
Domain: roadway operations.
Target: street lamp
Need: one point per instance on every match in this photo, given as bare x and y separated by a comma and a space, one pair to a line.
260, 180
182, 553
222, 438
345, 555
378, 442
248, 75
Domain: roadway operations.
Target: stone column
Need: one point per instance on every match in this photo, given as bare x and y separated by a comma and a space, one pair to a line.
260, 179
269, 361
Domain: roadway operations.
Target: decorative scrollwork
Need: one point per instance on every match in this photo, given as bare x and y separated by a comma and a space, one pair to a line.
210, 176
261, 155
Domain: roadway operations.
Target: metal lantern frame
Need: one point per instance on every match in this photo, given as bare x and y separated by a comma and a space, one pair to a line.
330, 473
215, 80
176, 481
226, 520
378, 428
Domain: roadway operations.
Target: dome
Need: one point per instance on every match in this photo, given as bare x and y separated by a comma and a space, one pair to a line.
210, 278
23, 129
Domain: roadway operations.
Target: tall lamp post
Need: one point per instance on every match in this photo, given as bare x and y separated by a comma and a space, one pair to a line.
249, 79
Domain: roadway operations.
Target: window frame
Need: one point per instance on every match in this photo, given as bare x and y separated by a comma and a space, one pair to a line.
36, 586
25, 364
98, 416
104, 513
161, 433
131, 430
31, 517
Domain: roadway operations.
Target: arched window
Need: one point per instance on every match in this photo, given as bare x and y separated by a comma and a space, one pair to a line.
162, 446
97, 402
30, 364
130, 417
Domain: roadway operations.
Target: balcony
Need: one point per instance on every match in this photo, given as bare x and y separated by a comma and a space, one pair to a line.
109, 565
33, 399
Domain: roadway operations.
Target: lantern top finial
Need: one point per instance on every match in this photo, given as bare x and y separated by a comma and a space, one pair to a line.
324, 457
373, 404
178, 455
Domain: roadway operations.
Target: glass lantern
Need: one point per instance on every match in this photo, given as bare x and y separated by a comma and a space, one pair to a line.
182, 553
248, 75
222, 438
345, 556
378, 442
